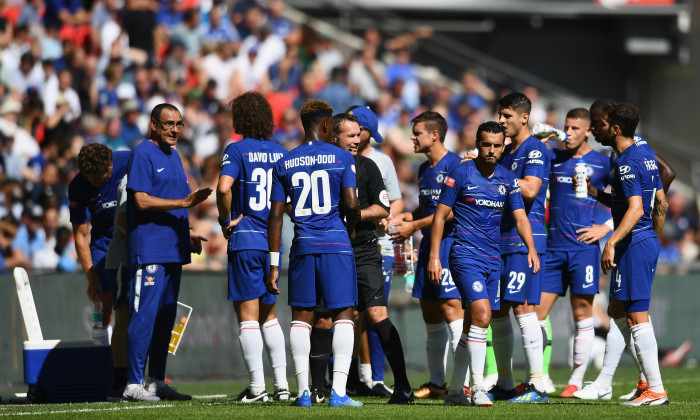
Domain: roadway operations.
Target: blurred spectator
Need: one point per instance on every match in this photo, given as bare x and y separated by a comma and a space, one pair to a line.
219, 29
285, 75
366, 74
219, 67
29, 74
62, 103
337, 93
131, 134
8, 257
188, 33
30, 238
402, 79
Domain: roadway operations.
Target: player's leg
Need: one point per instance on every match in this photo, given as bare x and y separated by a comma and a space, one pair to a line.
302, 298
490, 366
338, 286
554, 284
437, 346
321, 348
246, 284
162, 331
532, 340
148, 287
502, 328
102, 336
375, 347
273, 338
637, 267
122, 281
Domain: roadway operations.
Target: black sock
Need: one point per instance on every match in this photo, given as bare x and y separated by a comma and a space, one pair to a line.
391, 344
321, 347
119, 380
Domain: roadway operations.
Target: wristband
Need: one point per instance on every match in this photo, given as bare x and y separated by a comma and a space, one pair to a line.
225, 223
275, 259
609, 223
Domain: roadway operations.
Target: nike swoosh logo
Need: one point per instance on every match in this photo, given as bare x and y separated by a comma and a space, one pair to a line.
556, 165
160, 170
585, 286
407, 394
449, 289
615, 291
472, 188
512, 292
496, 300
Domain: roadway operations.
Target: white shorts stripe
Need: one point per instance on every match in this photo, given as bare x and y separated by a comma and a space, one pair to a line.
137, 289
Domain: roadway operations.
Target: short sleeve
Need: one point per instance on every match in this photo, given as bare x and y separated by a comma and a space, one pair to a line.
277, 192
391, 182
537, 163
376, 193
515, 198
231, 162
451, 187
76, 202
140, 173
630, 179
348, 178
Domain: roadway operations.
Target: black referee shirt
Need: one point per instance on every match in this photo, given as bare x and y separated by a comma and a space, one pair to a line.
370, 190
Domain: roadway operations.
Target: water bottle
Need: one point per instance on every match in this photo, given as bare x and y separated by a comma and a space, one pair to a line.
96, 317
542, 130
409, 279
580, 173
400, 258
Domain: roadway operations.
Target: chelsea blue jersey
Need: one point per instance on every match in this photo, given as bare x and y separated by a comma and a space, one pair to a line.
250, 163
157, 237
635, 173
478, 204
530, 159
567, 213
314, 176
97, 205
430, 182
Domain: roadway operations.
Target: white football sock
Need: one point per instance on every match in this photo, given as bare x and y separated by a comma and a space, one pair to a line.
461, 364
648, 354
455, 328
366, 374
436, 345
477, 353
629, 342
614, 346
300, 345
274, 343
583, 343
252, 347
532, 345
343, 341
502, 340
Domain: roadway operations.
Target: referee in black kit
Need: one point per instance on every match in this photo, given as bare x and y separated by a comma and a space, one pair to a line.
374, 206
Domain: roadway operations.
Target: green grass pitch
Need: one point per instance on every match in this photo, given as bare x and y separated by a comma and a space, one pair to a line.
217, 399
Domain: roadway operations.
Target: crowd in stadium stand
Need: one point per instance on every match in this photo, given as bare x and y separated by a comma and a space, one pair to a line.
77, 72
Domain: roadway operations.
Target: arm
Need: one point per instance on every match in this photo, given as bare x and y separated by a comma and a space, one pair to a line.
522, 223
634, 212
658, 215
373, 213
602, 197
396, 207
666, 172
147, 202
438, 227
274, 237
529, 187
82, 247
406, 228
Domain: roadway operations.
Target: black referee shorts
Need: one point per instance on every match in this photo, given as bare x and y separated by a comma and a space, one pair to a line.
370, 279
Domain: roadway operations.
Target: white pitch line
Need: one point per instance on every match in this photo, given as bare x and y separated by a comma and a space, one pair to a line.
204, 397
88, 410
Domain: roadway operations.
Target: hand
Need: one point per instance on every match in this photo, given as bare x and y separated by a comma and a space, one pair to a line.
434, 270
546, 138
198, 196
196, 242
469, 156
405, 230
592, 191
94, 289
593, 234
606, 260
272, 280
533, 261
229, 229
351, 234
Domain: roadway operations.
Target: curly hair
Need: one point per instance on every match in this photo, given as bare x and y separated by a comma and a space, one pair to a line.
94, 158
313, 112
252, 116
